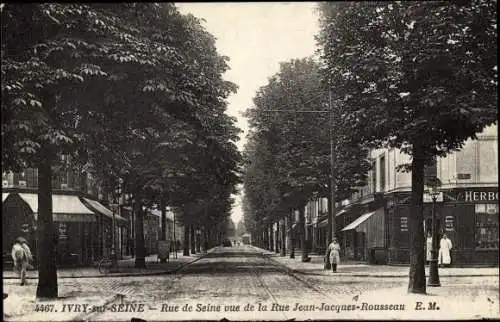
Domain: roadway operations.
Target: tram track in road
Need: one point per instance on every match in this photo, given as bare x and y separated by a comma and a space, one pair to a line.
259, 280
290, 272
236, 275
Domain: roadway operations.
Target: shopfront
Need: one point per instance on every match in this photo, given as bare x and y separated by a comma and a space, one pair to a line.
361, 228
468, 216
80, 234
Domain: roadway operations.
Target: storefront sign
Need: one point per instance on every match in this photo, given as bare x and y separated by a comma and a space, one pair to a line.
473, 196
428, 197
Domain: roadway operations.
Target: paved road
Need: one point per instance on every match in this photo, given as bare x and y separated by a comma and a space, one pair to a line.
230, 280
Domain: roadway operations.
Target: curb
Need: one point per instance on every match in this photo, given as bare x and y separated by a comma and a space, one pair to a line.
388, 276
131, 274
301, 272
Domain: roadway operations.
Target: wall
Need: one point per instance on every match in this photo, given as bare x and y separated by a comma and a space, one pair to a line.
477, 158
475, 164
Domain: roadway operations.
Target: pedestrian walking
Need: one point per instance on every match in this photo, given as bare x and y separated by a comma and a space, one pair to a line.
445, 247
334, 254
428, 246
21, 255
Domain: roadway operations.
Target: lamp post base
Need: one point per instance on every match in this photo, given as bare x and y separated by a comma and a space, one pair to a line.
114, 261
433, 274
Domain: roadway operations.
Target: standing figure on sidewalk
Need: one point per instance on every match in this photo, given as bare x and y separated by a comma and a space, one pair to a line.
334, 252
428, 245
21, 255
445, 247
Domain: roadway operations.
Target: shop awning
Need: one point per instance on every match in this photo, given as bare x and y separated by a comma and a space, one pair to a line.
293, 227
100, 208
343, 211
358, 221
64, 207
4, 196
324, 222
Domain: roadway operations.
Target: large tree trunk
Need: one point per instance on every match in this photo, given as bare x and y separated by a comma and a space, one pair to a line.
140, 249
283, 238
270, 241
47, 269
198, 241
186, 240
192, 239
417, 265
291, 216
163, 224
277, 238
302, 232
163, 220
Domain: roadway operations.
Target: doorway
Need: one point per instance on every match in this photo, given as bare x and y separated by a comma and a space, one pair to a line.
428, 226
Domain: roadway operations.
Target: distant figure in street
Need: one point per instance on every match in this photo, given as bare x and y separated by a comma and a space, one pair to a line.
334, 253
21, 255
428, 245
445, 247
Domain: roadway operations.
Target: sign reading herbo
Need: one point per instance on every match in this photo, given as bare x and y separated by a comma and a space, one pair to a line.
479, 195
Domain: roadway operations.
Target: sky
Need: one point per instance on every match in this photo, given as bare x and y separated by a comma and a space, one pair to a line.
256, 37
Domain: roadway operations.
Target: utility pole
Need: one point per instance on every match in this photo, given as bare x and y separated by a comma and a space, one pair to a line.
331, 209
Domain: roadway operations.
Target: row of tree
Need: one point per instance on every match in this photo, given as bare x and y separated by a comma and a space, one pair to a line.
288, 155
418, 76
134, 93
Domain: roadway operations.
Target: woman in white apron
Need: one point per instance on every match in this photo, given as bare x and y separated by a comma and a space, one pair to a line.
445, 247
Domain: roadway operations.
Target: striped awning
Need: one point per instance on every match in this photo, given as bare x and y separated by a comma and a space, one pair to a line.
358, 221
324, 222
100, 208
64, 208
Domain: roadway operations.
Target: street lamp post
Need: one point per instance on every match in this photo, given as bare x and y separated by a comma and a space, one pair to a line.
331, 214
433, 268
114, 258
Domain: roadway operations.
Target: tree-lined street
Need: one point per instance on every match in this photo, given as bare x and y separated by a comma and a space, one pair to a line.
123, 144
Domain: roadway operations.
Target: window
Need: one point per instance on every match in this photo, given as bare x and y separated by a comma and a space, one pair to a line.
449, 223
381, 172
404, 223
63, 231
487, 226
430, 170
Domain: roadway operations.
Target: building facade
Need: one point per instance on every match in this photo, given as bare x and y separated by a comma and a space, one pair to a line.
466, 206
372, 225
82, 216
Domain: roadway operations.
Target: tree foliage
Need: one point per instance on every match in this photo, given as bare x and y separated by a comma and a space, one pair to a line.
288, 154
418, 76
131, 91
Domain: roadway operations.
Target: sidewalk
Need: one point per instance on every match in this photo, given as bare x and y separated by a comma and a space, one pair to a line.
125, 268
315, 267
21, 304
